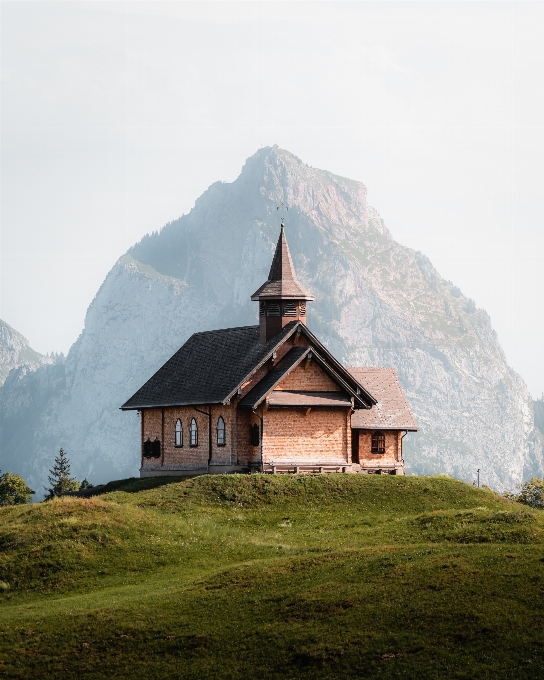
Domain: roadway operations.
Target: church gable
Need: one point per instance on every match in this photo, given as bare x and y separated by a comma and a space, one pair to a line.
308, 376
305, 372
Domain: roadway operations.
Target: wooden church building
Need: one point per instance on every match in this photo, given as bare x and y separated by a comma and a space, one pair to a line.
270, 398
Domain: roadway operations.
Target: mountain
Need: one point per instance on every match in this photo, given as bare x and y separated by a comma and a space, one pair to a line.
15, 351
377, 303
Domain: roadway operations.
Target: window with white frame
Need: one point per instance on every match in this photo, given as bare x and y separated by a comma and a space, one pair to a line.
193, 433
179, 434
221, 438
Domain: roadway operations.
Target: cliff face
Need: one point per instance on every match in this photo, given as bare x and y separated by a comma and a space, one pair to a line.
377, 303
15, 351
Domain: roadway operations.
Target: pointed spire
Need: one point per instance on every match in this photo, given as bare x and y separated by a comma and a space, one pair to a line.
282, 280
282, 268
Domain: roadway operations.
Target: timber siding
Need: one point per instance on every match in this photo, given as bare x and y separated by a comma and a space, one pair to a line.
393, 448
322, 436
308, 377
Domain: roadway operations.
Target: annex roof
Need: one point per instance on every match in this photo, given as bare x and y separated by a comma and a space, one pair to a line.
392, 410
282, 280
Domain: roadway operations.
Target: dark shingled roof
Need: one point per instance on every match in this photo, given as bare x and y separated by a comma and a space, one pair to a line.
282, 279
392, 410
208, 368
293, 357
211, 366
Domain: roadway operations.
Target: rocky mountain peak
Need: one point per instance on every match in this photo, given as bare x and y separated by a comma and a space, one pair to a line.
15, 351
376, 303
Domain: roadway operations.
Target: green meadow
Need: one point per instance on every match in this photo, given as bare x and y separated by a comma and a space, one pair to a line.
261, 576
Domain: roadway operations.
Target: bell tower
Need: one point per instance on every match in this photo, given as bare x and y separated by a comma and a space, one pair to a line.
281, 299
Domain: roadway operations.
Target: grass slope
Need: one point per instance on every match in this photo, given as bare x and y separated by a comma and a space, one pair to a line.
235, 576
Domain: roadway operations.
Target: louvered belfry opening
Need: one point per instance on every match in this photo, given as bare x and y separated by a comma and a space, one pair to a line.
281, 298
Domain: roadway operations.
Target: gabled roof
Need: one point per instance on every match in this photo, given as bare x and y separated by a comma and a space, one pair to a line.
211, 366
208, 369
284, 366
282, 280
290, 361
392, 410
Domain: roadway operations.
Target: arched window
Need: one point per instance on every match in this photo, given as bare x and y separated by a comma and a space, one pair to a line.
254, 438
193, 432
378, 442
179, 433
221, 440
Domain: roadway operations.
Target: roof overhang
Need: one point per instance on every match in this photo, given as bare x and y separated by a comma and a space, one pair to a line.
264, 295
142, 407
381, 428
294, 399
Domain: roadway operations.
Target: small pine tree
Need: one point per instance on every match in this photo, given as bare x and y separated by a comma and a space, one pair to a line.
13, 490
59, 478
85, 484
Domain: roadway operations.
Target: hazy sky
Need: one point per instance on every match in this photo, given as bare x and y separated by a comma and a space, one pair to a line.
116, 116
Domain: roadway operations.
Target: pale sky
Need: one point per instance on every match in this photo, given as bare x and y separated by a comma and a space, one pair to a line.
116, 116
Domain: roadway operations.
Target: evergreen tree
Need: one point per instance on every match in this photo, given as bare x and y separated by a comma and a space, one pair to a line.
13, 490
59, 478
85, 484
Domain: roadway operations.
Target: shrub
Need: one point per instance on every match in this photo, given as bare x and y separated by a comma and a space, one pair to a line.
531, 493
13, 490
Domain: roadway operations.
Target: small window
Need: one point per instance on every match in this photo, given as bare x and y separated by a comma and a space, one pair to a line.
221, 432
254, 438
147, 448
156, 448
262, 308
289, 309
378, 442
179, 434
193, 432
302, 309
273, 309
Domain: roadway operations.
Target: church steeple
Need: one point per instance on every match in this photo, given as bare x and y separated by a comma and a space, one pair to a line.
281, 298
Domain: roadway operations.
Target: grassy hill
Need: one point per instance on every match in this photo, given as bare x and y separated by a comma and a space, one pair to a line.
236, 576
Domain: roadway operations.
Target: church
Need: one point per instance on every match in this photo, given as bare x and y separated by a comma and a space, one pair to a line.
270, 398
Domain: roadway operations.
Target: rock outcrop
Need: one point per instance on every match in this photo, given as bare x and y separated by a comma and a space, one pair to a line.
377, 303
15, 351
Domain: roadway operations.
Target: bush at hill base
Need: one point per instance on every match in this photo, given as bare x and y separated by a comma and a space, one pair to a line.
13, 490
